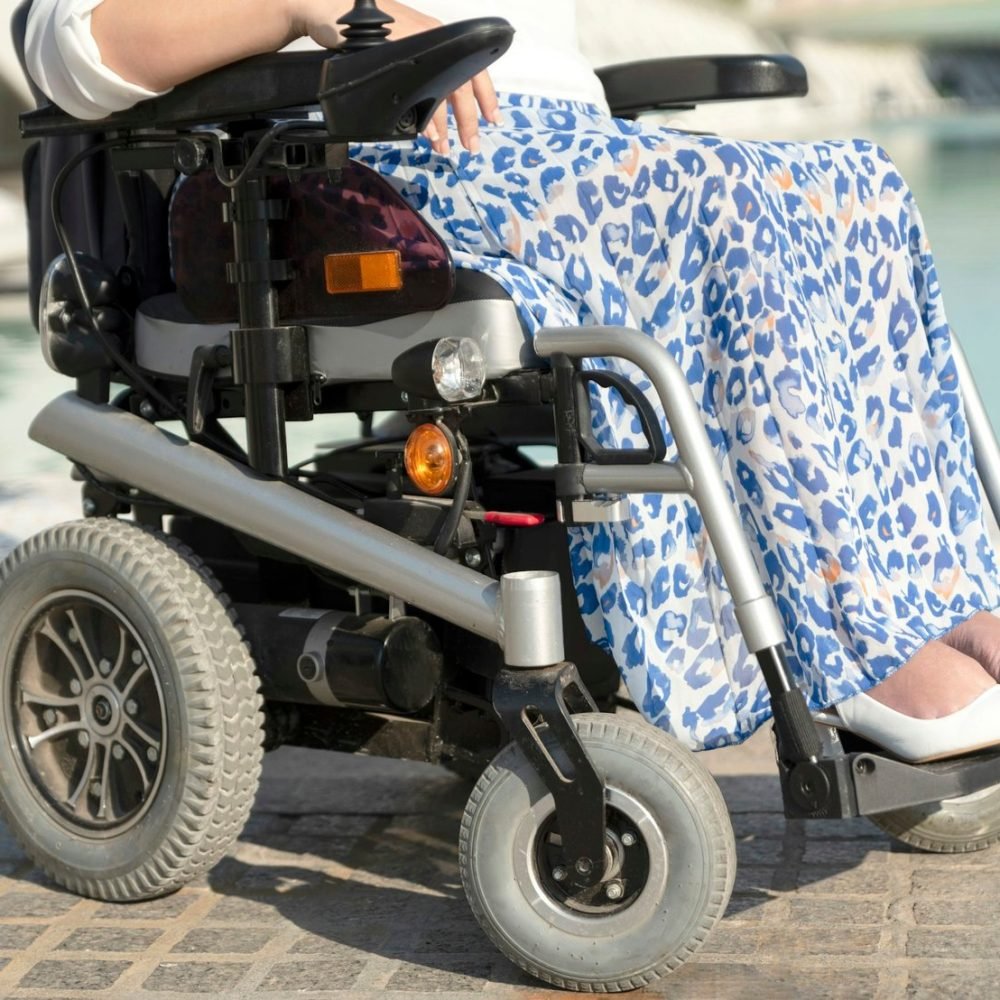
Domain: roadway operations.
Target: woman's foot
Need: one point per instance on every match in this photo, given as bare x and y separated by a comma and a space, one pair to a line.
979, 638
937, 682
939, 704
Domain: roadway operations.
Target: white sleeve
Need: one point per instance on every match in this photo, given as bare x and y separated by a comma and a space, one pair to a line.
63, 59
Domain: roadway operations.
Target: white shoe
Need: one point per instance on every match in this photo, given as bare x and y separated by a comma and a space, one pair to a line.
918, 741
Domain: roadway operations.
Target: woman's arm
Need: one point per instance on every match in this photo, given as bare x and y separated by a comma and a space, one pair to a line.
158, 45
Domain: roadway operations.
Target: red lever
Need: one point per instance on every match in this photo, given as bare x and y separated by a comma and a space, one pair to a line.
508, 520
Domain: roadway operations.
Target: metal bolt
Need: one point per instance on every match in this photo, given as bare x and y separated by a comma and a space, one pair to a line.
131, 706
147, 411
559, 873
49, 717
83, 739
105, 667
95, 789
584, 866
472, 558
153, 755
629, 839
73, 635
137, 657
404, 397
75, 686
118, 751
614, 889
89, 507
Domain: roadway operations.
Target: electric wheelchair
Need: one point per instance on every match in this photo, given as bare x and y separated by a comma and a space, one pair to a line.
406, 595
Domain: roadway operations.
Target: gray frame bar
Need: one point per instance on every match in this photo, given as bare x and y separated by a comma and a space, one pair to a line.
755, 610
195, 478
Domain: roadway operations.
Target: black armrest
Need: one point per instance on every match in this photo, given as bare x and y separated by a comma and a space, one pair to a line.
683, 82
369, 92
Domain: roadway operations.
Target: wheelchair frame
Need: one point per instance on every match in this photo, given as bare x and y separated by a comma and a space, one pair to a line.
536, 694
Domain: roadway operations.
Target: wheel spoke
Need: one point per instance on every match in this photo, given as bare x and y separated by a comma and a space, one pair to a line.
139, 766
47, 700
141, 670
50, 734
151, 740
48, 630
82, 639
102, 809
88, 770
120, 659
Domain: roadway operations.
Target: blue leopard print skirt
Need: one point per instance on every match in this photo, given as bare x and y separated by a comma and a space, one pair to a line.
794, 284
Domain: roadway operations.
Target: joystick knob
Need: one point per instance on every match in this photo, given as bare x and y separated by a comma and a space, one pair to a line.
365, 26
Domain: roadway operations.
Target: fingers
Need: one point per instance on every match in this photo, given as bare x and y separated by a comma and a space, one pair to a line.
463, 103
475, 98
486, 98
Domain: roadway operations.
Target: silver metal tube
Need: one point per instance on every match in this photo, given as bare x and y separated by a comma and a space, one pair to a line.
696, 454
199, 480
984, 439
654, 478
532, 618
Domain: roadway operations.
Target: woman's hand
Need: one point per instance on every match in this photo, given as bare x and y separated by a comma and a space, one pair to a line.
317, 19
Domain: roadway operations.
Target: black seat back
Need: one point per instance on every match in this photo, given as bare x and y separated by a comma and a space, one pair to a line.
93, 209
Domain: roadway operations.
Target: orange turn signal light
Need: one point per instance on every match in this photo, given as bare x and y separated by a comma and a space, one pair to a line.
430, 459
372, 271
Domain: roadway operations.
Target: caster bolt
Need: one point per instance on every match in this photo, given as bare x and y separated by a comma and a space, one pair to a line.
584, 866
117, 751
104, 667
629, 839
153, 755
137, 657
614, 890
75, 686
83, 739
49, 717
559, 873
131, 707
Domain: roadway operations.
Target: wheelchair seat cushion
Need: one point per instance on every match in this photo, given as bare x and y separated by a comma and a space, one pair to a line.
354, 347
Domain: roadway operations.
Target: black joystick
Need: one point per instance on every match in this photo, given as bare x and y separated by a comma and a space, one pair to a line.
365, 26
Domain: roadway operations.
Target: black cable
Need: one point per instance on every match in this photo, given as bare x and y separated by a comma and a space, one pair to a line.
450, 526
263, 145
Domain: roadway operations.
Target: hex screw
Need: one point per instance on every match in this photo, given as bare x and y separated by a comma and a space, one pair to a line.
629, 839
118, 751
75, 686
83, 739
559, 873
614, 890
131, 706
104, 667
49, 717
584, 866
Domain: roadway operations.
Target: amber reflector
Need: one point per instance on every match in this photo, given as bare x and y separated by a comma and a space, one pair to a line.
376, 271
430, 459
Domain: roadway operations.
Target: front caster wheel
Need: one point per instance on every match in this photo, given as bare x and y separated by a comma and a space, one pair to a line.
669, 864
129, 710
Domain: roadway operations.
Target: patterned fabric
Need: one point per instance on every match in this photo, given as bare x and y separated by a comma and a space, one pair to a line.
794, 284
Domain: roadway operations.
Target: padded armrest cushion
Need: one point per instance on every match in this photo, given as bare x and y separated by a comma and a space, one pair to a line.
683, 82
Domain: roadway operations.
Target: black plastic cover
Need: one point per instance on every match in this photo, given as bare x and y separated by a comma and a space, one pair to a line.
652, 84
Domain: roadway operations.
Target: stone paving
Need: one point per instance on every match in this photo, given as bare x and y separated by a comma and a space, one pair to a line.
345, 884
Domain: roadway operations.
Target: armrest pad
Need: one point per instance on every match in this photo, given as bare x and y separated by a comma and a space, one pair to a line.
632, 88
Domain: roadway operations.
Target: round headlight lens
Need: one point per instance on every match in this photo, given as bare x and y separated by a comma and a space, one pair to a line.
459, 369
430, 459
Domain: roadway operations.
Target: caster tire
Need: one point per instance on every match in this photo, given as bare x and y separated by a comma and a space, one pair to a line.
670, 843
129, 707
953, 826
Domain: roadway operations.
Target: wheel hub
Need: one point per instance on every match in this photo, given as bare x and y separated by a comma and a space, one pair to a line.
89, 713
